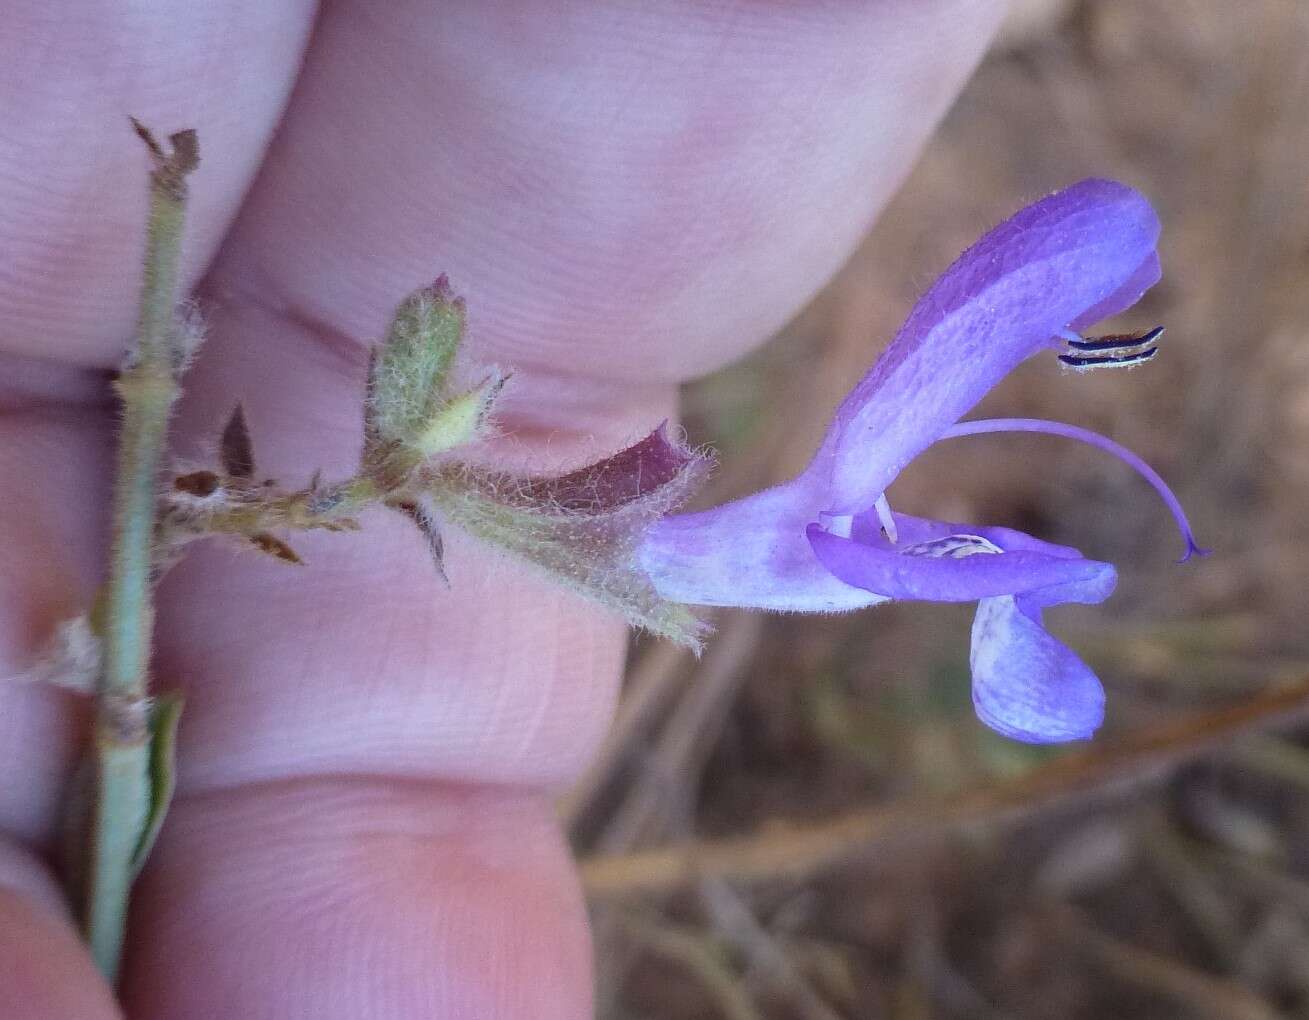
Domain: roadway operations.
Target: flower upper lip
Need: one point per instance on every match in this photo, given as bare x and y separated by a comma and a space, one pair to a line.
1077, 256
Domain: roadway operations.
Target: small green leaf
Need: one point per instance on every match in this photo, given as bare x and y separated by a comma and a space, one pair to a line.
164, 716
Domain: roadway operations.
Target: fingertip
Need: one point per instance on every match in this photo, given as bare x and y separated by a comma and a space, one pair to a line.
45, 972
637, 192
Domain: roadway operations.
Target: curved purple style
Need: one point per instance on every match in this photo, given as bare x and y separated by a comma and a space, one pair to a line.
827, 542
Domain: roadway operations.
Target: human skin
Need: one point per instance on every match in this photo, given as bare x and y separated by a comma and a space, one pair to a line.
628, 196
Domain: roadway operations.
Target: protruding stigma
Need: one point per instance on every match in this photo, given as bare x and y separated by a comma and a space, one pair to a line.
1056, 428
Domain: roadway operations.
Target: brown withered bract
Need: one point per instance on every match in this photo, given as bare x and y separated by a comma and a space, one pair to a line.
424, 518
275, 547
197, 483
235, 448
170, 171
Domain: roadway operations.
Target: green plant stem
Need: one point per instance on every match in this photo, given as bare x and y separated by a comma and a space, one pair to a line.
148, 387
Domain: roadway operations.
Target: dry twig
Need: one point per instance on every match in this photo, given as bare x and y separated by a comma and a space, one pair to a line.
697, 954
1201, 994
736, 921
793, 850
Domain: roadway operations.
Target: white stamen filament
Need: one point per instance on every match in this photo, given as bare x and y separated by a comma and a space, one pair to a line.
883, 509
840, 525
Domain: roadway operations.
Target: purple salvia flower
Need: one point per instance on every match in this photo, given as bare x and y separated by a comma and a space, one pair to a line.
827, 540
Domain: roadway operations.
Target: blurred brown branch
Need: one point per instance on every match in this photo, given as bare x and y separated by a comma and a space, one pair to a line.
792, 850
1201, 994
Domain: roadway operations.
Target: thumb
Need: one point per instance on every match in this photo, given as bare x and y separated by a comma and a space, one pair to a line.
48, 975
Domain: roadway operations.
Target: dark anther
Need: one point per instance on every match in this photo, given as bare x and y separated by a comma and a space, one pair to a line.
1115, 340
1119, 350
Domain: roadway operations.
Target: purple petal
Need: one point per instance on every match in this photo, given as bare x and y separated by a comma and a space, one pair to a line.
1088, 249
751, 553
1146, 276
1026, 684
888, 570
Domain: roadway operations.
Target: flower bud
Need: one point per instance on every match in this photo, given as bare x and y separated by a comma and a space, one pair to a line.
407, 381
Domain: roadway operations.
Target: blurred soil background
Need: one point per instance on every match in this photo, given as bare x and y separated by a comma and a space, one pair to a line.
809, 822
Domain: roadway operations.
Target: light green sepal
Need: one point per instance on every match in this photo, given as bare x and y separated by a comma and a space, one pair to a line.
585, 528
461, 420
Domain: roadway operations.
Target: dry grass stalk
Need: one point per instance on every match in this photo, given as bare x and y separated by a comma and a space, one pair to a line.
790, 851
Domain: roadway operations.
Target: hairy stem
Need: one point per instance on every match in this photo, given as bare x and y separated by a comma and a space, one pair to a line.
147, 387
